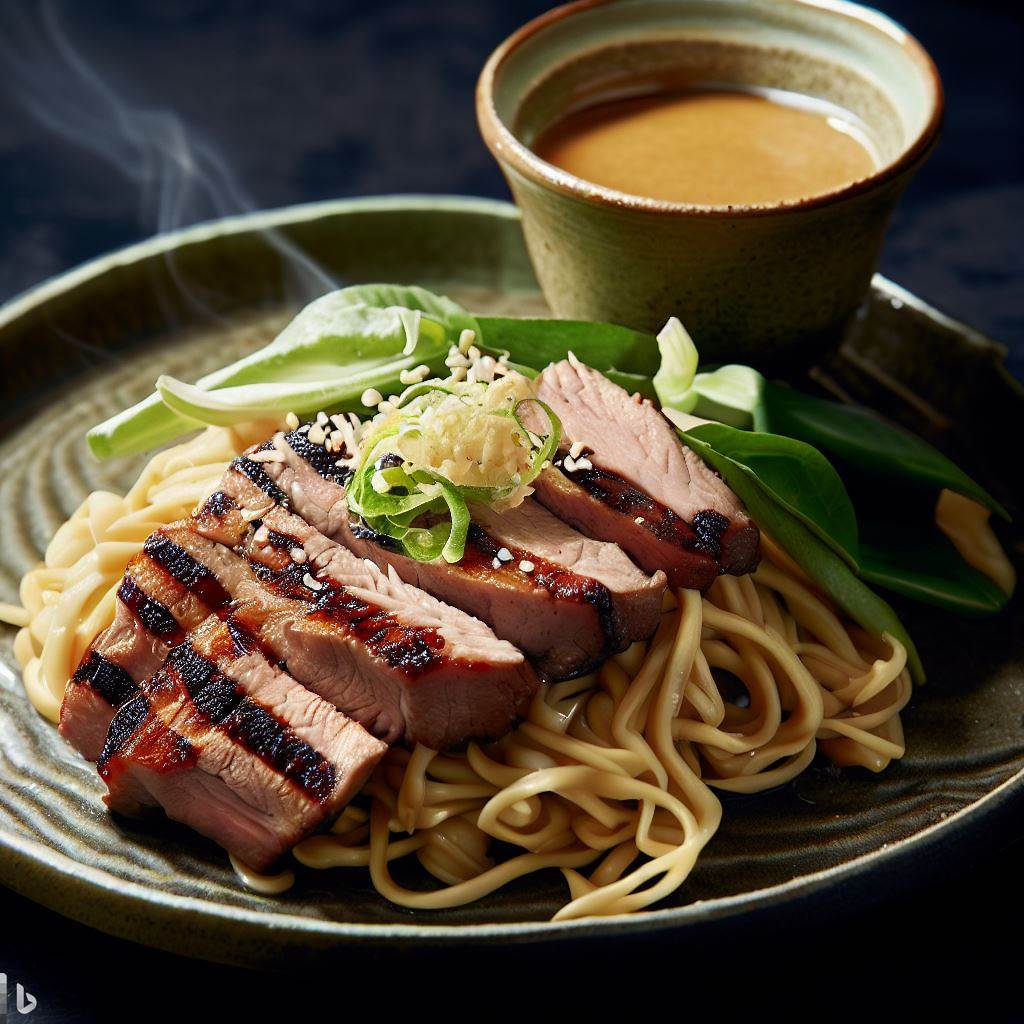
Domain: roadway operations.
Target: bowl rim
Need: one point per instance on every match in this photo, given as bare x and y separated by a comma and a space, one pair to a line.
508, 150
103, 900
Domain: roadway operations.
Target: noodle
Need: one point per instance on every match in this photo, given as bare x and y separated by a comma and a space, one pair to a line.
68, 599
610, 778
617, 772
966, 523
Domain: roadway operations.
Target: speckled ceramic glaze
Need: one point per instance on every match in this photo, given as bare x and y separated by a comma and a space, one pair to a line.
767, 283
89, 343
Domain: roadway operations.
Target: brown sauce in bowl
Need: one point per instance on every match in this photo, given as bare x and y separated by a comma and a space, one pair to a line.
712, 147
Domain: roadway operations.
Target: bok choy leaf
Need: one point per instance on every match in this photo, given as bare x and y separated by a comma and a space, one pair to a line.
628, 357
678, 367
925, 566
865, 441
337, 347
808, 550
797, 476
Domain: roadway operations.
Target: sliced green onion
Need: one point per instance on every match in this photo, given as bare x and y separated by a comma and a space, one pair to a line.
547, 450
393, 510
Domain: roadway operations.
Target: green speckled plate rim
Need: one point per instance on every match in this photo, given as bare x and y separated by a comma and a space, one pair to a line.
99, 899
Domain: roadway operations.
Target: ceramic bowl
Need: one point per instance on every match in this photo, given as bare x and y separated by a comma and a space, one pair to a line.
757, 283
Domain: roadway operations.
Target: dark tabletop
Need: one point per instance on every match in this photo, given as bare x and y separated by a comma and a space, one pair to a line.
107, 110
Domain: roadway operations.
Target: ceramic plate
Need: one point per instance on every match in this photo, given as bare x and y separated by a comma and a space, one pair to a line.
92, 341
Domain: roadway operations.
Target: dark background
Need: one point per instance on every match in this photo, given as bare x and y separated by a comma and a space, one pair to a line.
122, 117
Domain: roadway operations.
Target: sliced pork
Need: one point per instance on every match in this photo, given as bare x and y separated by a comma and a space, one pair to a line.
391, 656
233, 746
566, 600
638, 484
394, 658
163, 594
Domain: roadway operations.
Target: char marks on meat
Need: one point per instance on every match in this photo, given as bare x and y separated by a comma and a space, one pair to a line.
390, 656
164, 593
577, 601
265, 650
643, 488
233, 746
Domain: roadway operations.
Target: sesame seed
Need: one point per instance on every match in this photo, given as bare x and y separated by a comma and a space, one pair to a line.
316, 434
298, 555
262, 535
379, 483
321, 418
639, 520
577, 449
304, 429
270, 455
413, 376
504, 554
312, 584
371, 397
496, 563
526, 566
291, 421
455, 358
484, 369
584, 464
249, 514
568, 464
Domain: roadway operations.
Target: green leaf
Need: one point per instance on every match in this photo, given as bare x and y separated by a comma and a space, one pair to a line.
338, 346
453, 317
925, 566
795, 475
731, 394
865, 440
816, 558
678, 367
628, 357
317, 384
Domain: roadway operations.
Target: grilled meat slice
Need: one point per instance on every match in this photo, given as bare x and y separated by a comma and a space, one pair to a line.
391, 656
388, 653
644, 489
566, 600
394, 658
163, 594
233, 746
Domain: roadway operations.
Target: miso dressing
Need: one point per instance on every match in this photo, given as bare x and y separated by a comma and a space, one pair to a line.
712, 147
